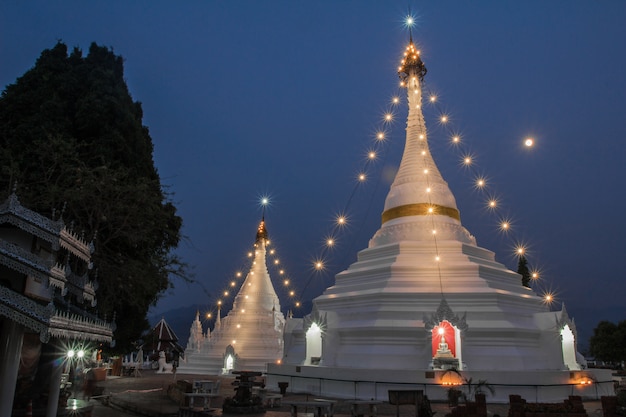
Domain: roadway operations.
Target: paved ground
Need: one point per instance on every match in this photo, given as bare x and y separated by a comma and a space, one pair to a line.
147, 395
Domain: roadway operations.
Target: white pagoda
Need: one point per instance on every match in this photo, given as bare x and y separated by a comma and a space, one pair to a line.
423, 299
251, 335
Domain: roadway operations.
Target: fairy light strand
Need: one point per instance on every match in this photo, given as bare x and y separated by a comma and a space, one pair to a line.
381, 139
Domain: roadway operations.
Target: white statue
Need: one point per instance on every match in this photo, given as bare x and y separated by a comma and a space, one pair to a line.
164, 367
443, 351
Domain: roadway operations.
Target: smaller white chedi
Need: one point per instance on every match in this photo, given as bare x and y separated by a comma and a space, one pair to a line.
251, 335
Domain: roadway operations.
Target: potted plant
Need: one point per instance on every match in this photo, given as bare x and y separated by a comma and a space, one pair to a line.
453, 396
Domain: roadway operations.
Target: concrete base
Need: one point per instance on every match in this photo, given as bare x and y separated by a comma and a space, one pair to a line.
534, 386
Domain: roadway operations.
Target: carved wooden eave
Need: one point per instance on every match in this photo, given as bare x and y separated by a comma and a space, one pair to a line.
76, 245
23, 261
74, 326
58, 276
444, 312
52, 231
12, 212
26, 312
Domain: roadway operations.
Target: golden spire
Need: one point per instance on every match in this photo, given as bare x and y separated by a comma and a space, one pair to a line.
261, 233
411, 63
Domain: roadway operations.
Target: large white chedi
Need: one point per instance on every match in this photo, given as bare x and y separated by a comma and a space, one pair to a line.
423, 298
251, 335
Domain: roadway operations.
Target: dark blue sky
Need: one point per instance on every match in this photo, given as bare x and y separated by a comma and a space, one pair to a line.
283, 98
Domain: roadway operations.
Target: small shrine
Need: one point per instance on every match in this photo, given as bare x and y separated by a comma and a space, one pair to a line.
162, 340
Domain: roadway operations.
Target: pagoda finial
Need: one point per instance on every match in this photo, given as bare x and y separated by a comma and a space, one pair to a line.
411, 63
261, 233
409, 22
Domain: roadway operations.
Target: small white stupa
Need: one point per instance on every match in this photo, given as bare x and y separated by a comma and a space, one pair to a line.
251, 335
424, 299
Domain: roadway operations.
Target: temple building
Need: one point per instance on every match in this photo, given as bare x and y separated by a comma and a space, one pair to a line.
423, 299
47, 296
251, 335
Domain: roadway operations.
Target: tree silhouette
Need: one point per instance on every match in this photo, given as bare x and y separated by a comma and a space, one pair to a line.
71, 135
522, 269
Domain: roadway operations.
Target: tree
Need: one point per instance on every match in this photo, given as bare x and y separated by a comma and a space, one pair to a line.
522, 269
72, 136
608, 342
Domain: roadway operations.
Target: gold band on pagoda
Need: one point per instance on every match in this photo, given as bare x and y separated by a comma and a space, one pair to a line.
420, 209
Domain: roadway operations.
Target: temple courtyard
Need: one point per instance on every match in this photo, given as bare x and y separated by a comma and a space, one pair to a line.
147, 395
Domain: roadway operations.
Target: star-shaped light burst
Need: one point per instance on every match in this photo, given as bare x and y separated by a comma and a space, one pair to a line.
492, 203
264, 201
318, 264
409, 21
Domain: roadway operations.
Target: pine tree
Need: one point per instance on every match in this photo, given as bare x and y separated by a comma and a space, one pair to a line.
522, 269
71, 135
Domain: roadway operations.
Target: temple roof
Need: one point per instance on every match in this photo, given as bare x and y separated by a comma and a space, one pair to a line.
162, 337
52, 231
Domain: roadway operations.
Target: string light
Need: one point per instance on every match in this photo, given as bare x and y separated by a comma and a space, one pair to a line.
380, 136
